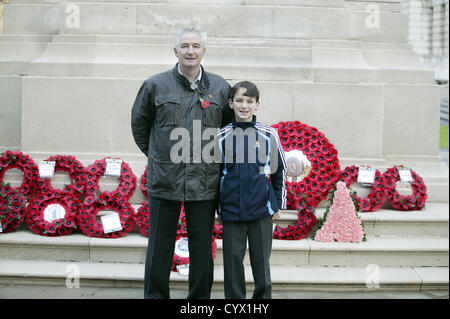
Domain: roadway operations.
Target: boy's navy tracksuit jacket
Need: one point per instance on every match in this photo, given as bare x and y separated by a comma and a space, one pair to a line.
252, 185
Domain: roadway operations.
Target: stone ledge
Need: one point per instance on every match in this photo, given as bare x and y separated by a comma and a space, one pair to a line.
290, 278
384, 251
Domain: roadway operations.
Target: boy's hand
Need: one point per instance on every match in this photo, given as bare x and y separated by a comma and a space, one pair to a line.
276, 215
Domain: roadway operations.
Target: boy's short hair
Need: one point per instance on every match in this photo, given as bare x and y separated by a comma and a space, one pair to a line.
252, 90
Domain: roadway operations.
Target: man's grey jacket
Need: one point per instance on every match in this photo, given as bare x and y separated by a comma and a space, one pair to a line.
166, 102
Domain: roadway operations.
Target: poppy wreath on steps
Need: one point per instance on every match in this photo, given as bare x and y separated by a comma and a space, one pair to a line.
325, 167
87, 219
77, 173
127, 183
12, 208
184, 260
306, 219
142, 218
35, 214
182, 228
143, 184
218, 231
416, 201
378, 191
10, 159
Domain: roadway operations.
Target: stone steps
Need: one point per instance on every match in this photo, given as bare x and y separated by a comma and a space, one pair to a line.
409, 251
284, 278
384, 251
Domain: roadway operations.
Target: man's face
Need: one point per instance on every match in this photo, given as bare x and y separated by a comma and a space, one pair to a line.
190, 51
244, 106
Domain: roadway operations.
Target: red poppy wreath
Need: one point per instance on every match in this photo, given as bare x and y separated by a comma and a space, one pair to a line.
142, 218
127, 183
181, 253
306, 219
87, 219
12, 209
76, 170
143, 184
53, 214
319, 163
378, 191
416, 201
24, 163
182, 228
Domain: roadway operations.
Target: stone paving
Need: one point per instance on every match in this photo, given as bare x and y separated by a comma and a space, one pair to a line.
50, 292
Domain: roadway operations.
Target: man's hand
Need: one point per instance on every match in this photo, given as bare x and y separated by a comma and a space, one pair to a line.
276, 215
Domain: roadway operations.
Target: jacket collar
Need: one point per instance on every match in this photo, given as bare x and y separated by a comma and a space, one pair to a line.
202, 86
244, 125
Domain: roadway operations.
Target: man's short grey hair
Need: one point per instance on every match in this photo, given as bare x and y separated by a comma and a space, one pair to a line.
190, 30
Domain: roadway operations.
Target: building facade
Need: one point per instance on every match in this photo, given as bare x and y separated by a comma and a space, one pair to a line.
428, 33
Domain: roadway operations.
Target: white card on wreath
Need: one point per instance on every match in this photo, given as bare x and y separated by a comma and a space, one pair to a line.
53, 212
405, 175
182, 247
111, 223
1, 230
366, 175
113, 167
46, 169
183, 270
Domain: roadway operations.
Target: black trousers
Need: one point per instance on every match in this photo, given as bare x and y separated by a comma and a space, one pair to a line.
259, 234
163, 222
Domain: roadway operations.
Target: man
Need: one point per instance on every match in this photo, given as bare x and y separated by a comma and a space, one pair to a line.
191, 99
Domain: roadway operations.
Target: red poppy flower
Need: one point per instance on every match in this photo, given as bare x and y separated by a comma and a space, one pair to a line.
205, 104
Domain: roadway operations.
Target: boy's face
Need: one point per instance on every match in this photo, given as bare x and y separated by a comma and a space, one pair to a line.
244, 106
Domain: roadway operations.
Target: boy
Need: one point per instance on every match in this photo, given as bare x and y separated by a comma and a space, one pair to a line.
252, 192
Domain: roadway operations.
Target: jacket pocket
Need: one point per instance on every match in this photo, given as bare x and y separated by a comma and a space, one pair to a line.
229, 199
212, 115
161, 175
212, 177
167, 110
272, 198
